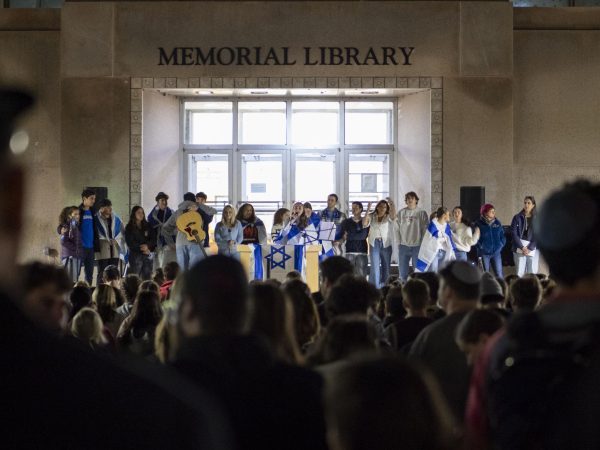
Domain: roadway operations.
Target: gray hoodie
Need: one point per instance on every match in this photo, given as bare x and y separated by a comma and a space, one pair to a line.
171, 225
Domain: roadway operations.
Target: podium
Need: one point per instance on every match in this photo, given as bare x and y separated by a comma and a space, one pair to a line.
278, 260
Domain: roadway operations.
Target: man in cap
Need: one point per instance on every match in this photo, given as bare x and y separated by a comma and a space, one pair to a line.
165, 242
436, 347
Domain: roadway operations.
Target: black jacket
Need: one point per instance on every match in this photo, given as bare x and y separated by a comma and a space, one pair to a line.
271, 405
135, 237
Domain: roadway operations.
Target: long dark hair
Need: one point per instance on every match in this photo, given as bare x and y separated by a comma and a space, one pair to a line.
240, 214
387, 210
532, 199
145, 314
278, 217
132, 220
463, 219
440, 212
63, 218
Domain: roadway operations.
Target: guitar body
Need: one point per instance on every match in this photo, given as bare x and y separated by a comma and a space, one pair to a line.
190, 224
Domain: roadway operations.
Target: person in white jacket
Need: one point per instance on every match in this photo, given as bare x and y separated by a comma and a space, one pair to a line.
382, 238
462, 234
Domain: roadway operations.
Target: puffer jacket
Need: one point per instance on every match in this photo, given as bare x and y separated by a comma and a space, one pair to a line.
492, 237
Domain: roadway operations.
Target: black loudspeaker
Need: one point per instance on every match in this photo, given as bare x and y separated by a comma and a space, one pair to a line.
101, 194
472, 198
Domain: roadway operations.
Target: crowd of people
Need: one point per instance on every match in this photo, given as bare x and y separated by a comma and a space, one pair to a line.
371, 239
198, 356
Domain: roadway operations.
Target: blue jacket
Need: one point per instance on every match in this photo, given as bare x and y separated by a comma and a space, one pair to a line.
516, 227
492, 238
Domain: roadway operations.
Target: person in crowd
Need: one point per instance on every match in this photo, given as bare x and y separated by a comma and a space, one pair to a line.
130, 286
158, 276
415, 298
266, 399
437, 247
171, 272
435, 345
112, 277
87, 327
79, 298
331, 270
137, 332
165, 242
463, 236
525, 294
228, 233
207, 213
253, 228
523, 238
188, 252
293, 275
382, 233
307, 325
62, 379
491, 296
475, 330
71, 250
149, 285
354, 233
351, 295
346, 337
433, 282
110, 237
141, 241
412, 223
333, 214
547, 396
44, 287
89, 232
272, 316
105, 299
492, 239
385, 403
393, 305
280, 218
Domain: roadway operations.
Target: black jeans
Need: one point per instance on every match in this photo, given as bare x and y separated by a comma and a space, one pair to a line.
88, 261
140, 265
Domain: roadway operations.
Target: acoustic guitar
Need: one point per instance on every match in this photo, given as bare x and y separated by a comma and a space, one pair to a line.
190, 224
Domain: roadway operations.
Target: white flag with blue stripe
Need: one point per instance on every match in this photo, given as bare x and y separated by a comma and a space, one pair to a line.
437, 237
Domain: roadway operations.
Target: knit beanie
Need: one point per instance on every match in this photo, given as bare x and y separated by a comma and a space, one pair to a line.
485, 208
491, 291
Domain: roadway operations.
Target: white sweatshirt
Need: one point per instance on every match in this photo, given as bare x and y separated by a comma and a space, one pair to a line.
463, 236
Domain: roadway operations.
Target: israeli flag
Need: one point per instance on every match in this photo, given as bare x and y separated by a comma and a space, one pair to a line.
437, 237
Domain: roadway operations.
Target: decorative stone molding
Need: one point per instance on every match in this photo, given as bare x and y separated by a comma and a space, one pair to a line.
435, 84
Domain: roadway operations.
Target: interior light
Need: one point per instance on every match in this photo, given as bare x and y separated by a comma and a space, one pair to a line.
259, 92
19, 142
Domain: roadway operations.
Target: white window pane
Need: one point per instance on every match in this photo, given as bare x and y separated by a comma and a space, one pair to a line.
315, 124
368, 177
209, 122
262, 123
262, 184
310, 167
368, 122
212, 177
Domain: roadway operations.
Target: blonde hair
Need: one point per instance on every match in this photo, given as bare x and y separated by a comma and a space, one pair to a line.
87, 326
233, 219
106, 302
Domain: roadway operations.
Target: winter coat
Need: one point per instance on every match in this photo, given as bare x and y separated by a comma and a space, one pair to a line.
162, 239
492, 237
136, 237
517, 226
70, 242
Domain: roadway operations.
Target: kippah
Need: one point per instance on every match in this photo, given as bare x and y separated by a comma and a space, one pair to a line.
465, 272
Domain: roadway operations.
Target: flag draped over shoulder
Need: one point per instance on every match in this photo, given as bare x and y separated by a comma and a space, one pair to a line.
437, 237
291, 234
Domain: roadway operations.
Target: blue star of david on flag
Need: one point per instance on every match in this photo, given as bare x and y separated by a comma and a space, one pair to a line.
271, 257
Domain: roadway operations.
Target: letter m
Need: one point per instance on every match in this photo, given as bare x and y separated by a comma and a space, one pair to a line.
164, 60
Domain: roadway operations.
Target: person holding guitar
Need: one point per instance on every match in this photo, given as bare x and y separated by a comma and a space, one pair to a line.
190, 235
228, 233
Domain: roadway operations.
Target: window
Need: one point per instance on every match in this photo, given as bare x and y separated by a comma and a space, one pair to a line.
368, 123
262, 123
209, 122
315, 124
271, 152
